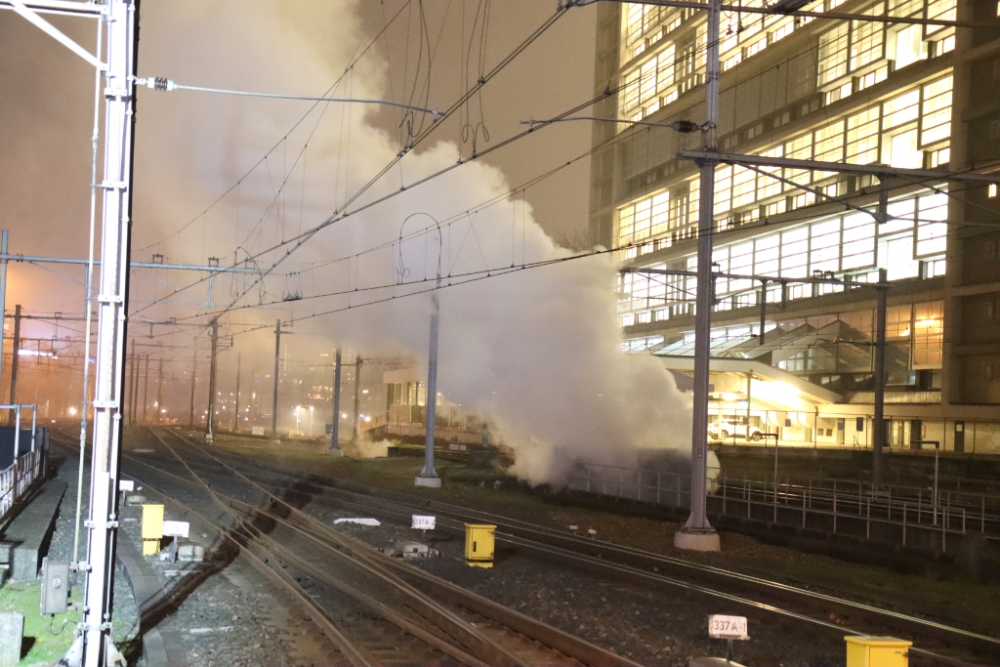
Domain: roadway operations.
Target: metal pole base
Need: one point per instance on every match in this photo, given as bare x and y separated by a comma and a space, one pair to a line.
335, 451
429, 482
697, 540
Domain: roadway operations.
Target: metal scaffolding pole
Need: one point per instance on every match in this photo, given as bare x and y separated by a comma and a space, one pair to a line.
698, 534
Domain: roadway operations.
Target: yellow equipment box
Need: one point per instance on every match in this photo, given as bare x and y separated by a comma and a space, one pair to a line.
152, 529
877, 652
152, 522
479, 542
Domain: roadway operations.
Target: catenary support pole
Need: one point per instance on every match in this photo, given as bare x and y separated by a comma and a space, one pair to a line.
335, 425
3, 293
277, 368
194, 382
358, 362
763, 310
210, 427
697, 534
15, 354
878, 435
159, 385
428, 475
133, 395
236, 405
116, 209
145, 392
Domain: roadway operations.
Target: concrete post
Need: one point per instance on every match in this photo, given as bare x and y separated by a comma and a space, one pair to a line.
428, 476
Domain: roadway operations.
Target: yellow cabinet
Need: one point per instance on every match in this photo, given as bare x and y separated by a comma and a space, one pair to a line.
479, 542
877, 652
152, 529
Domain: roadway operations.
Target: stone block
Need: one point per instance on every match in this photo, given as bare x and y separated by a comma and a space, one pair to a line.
11, 636
190, 552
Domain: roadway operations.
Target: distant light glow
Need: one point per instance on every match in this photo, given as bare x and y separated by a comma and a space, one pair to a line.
24, 352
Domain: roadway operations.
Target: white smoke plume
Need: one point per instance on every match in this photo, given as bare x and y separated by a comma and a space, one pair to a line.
537, 351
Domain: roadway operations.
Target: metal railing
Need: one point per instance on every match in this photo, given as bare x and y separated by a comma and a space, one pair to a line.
908, 517
984, 506
27, 468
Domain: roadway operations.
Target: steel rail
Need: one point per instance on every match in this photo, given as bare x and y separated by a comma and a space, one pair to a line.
546, 537
541, 546
349, 647
540, 632
443, 618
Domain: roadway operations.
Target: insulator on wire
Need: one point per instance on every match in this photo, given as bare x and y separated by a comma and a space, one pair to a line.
159, 83
685, 126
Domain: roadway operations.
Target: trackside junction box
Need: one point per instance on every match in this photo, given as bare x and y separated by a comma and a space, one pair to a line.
152, 529
479, 544
877, 652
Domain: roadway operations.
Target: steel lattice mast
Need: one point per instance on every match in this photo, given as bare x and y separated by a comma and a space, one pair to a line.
112, 308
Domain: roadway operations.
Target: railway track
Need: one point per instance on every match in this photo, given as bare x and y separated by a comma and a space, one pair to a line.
373, 609
935, 643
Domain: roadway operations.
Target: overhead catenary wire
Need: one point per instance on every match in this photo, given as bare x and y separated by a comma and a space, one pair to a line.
355, 58
163, 84
301, 239
345, 216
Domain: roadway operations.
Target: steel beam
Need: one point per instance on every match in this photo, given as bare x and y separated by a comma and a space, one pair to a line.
132, 265
740, 276
841, 167
833, 16
64, 7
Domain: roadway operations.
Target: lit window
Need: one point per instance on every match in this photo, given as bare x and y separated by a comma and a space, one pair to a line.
928, 334
936, 111
862, 137
766, 185
723, 188
906, 46
903, 151
901, 109
799, 148
744, 181
829, 146
992, 191
942, 10
866, 40
833, 54
859, 241
932, 228
896, 257
767, 254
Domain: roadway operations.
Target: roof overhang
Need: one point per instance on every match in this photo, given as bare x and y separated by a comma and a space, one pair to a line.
791, 385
